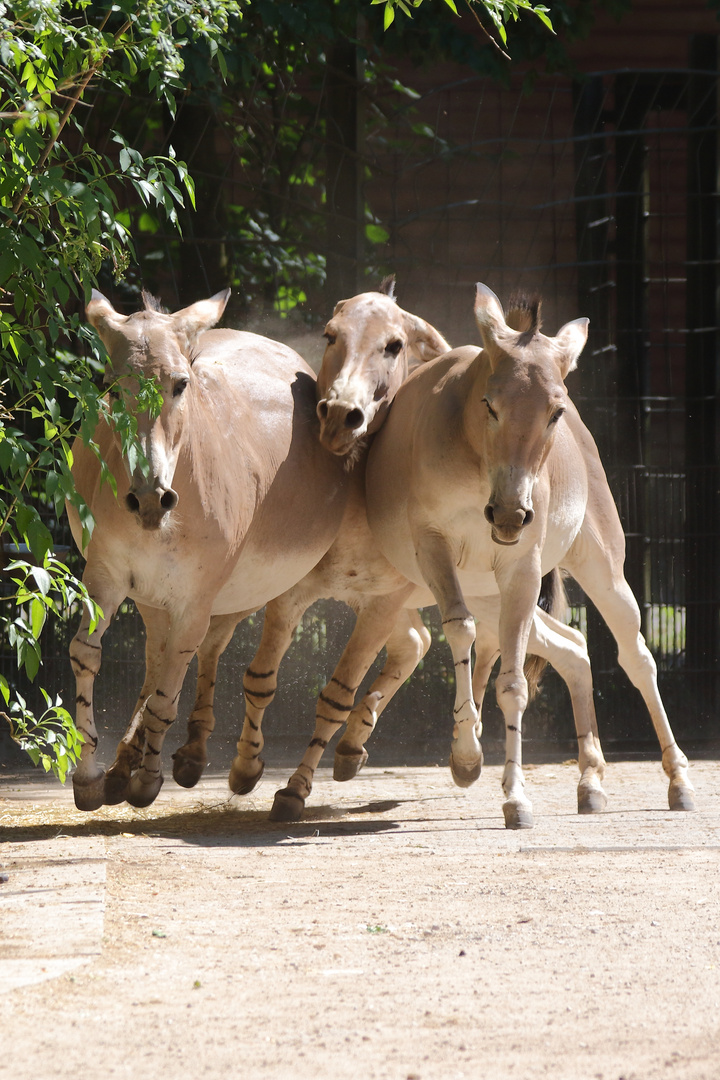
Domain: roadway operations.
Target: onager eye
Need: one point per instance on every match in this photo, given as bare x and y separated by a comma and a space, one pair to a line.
179, 386
330, 338
393, 347
554, 419
490, 409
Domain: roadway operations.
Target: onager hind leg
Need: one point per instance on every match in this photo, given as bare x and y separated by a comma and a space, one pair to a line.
282, 616
406, 646
190, 759
605, 584
566, 649
372, 629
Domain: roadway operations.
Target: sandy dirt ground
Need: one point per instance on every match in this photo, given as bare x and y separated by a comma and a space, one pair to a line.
398, 933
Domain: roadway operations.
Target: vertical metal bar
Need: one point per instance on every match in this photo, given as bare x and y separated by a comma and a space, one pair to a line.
631, 105
702, 430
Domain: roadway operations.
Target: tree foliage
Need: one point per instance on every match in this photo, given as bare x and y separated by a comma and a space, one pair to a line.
59, 225
498, 13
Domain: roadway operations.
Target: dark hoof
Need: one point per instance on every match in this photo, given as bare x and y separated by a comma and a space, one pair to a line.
681, 797
463, 775
591, 800
517, 816
348, 764
91, 795
287, 806
187, 770
140, 794
115, 788
242, 784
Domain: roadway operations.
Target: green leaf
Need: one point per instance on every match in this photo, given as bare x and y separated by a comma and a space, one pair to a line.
38, 613
376, 234
42, 579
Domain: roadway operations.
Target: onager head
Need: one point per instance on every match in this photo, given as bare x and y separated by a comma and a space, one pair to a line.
155, 345
523, 402
371, 344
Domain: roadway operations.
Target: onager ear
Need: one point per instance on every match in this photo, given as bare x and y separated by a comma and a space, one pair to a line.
571, 340
103, 316
490, 318
192, 320
338, 307
424, 341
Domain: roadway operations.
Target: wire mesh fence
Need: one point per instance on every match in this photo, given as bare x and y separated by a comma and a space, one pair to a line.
600, 195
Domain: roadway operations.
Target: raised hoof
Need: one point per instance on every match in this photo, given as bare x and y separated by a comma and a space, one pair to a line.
187, 770
591, 800
348, 764
517, 816
681, 797
140, 794
91, 795
287, 806
115, 788
242, 784
463, 775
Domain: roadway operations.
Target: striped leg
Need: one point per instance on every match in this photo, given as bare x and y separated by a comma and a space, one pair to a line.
282, 616
406, 646
186, 633
372, 628
85, 657
190, 759
129, 751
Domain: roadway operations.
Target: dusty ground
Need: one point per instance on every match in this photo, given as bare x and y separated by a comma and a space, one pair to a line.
399, 932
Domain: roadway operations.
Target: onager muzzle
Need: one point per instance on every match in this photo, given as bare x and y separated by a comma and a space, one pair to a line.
151, 506
507, 524
340, 423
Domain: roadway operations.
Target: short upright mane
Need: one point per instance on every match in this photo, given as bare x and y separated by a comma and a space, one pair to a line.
151, 303
387, 287
524, 315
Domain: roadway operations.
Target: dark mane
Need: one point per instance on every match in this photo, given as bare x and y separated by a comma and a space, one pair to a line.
524, 315
387, 287
152, 303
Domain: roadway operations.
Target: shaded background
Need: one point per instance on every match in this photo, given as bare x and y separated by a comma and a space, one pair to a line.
321, 166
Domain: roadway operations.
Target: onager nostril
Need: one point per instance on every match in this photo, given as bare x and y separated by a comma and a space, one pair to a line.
354, 418
169, 499
529, 515
489, 516
322, 409
132, 502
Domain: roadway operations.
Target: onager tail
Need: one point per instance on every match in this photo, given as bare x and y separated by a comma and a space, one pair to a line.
552, 599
